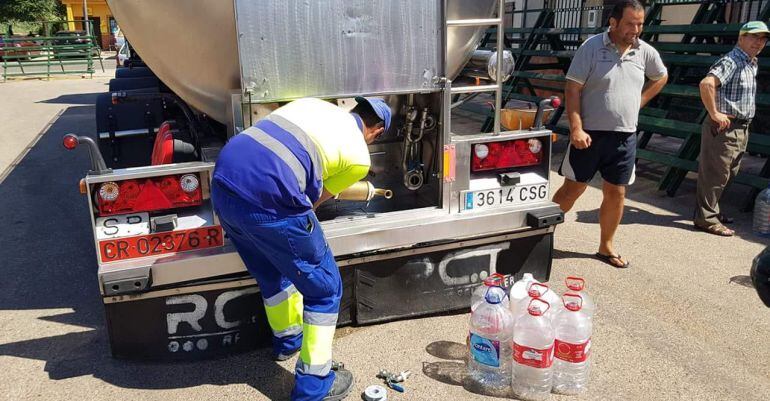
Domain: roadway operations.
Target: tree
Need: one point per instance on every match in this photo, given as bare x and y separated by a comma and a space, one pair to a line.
30, 10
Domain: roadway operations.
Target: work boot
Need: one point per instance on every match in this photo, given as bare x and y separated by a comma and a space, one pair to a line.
343, 383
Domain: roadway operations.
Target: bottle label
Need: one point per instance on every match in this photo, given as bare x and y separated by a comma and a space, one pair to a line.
536, 358
575, 353
485, 351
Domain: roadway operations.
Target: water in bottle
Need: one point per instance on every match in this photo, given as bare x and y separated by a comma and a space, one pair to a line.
533, 342
762, 213
572, 347
578, 286
494, 280
489, 362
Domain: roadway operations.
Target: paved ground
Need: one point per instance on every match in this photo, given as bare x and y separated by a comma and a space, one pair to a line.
29, 105
678, 325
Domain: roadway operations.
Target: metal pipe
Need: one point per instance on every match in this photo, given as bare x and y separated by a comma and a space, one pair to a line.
363, 191
473, 89
463, 101
86, 25
474, 22
499, 78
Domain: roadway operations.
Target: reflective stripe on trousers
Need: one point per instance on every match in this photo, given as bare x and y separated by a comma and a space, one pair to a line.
284, 312
315, 358
288, 257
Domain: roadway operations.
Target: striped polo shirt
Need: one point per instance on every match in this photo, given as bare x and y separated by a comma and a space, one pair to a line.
737, 74
284, 161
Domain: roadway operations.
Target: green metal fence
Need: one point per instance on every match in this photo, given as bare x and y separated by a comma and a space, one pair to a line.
54, 53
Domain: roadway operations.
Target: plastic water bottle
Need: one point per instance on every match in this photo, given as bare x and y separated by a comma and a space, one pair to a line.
489, 362
533, 341
494, 280
578, 286
537, 291
572, 347
762, 213
520, 291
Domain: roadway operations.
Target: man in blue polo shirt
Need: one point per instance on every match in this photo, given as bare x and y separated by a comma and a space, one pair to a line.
604, 91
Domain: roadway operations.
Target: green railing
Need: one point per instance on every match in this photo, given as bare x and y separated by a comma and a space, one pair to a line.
67, 52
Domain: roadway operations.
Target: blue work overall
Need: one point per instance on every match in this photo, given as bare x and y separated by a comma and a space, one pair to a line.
268, 216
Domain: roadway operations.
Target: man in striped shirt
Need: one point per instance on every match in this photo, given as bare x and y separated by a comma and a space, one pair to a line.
728, 92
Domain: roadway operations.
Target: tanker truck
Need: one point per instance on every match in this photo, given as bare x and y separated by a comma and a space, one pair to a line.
457, 205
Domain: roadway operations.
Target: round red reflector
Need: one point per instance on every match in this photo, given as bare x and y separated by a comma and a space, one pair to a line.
70, 141
556, 102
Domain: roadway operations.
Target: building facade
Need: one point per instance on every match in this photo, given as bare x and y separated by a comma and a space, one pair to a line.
99, 13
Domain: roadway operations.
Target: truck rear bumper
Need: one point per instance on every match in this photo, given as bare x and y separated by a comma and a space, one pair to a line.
223, 316
380, 238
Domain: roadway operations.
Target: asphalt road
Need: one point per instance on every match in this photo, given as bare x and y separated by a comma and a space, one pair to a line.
680, 324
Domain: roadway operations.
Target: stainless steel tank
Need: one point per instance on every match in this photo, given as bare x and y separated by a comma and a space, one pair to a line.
191, 44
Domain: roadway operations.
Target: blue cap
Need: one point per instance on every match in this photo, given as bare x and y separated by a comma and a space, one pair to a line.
380, 108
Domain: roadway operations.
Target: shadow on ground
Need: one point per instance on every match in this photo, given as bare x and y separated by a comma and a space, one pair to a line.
75, 98
453, 370
48, 262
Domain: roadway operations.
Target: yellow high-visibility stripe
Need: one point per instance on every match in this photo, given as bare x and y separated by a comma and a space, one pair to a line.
316, 344
286, 314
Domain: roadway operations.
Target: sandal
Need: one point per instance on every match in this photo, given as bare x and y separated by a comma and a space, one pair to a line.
725, 219
716, 229
608, 260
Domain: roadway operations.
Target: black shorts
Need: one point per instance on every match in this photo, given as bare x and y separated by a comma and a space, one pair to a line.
613, 154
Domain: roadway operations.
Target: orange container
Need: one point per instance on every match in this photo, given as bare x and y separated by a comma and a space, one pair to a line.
515, 119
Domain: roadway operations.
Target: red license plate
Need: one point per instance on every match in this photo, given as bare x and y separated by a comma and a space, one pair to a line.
161, 243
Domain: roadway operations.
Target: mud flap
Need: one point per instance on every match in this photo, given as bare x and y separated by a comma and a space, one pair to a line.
442, 281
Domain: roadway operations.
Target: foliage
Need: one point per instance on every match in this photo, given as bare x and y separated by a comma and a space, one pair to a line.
30, 10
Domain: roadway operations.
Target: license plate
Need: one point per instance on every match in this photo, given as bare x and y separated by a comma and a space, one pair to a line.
125, 225
504, 196
161, 243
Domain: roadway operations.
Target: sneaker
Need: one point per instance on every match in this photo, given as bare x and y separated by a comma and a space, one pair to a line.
343, 383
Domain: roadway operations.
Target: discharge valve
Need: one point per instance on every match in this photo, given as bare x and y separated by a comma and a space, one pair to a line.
363, 191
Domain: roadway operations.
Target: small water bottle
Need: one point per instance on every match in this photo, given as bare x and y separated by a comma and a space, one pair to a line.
572, 347
489, 362
578, 286
533, 341
762, 213
494, 280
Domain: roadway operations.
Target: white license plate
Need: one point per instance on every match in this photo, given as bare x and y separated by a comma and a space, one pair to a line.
504, 196
124, 225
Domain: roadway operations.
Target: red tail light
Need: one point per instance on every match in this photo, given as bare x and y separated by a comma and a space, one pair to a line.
148, 194
492, 156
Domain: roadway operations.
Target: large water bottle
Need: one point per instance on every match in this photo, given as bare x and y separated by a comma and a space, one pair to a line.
572, 347
477, 297
578, 286
537, 291
520, 291
762, 213
489, 363
533, 340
